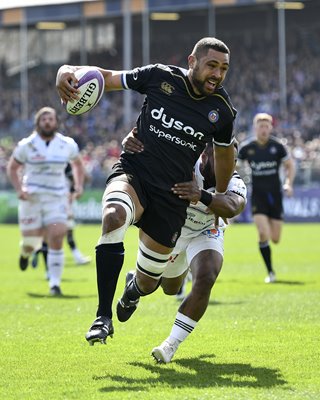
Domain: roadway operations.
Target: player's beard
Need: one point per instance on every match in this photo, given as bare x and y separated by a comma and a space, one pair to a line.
200, 83
47, 132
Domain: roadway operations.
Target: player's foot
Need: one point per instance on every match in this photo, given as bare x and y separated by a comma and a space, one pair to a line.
99, 331
125, 306
82, 260
55, 291
271, 278
23, 263
166, 350
34, 261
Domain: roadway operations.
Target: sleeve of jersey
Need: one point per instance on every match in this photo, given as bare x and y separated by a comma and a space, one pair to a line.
74, 150
225, 136
138, 78
284, 154
236, 185
19, 154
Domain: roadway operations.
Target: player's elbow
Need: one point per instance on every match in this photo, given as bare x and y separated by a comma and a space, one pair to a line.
234, 208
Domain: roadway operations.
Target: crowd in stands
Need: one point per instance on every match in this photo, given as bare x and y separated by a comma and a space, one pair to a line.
252, 83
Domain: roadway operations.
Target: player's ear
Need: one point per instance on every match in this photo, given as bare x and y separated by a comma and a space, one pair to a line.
191, 61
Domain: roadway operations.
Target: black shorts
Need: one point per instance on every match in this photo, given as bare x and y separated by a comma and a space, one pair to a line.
267, 203
164, 213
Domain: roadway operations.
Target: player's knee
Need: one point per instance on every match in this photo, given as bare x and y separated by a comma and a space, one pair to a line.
31, 243
170, 289
114, 217
275, 240
204, 281
118, 215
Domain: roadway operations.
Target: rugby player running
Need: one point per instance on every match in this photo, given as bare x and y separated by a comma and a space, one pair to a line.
200, 246
183, 110
265, 154
43, 194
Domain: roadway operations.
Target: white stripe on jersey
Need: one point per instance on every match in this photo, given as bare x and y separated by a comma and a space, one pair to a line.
198, 220
44, 164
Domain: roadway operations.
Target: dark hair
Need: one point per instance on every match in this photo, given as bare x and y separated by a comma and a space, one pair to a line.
203, 45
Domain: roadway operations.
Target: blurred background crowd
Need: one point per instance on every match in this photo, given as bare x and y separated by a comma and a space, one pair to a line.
252, 83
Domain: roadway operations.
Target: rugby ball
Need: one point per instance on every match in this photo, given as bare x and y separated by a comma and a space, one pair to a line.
91, 86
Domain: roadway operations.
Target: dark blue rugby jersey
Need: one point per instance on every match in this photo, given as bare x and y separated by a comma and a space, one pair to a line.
175, 123
264, 162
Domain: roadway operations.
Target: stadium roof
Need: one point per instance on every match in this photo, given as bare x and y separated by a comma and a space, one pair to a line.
5, 4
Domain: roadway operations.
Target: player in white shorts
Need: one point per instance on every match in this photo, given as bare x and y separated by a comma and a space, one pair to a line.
43, 191
200, 246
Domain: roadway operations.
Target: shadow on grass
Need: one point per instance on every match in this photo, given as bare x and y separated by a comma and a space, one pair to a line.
63, 297
201, 373
225, 303
278, 282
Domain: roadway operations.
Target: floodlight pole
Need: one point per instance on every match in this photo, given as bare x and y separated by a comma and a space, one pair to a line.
146, 34
211, 18
282, 58
83, 50
127, 59
24, 67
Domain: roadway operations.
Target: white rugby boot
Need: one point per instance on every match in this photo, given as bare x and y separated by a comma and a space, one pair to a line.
271, 278
166, 350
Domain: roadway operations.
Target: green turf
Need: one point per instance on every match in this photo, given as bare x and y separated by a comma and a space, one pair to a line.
256, 341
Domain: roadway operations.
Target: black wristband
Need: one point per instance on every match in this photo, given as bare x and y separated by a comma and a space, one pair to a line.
206, 198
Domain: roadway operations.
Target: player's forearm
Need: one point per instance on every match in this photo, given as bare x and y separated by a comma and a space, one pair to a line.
78, 174
112, 78
225, 205
290, 173
12, 173
224, 166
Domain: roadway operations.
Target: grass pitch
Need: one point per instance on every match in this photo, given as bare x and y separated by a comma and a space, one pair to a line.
256, 341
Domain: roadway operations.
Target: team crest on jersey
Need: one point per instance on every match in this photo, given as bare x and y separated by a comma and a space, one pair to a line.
167, 88
213, 116
212, 233
273, 150
251, 152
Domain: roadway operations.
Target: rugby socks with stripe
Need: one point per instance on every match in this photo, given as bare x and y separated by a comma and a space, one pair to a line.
55, 262
265, 251
182, 328
109, 261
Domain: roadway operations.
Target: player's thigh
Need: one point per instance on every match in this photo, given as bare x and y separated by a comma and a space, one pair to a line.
54, 209
55, 233
29, 216
205, 256
275, 229
262, 223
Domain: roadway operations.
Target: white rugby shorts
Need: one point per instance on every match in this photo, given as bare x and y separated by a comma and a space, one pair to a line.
42, 210
187, 248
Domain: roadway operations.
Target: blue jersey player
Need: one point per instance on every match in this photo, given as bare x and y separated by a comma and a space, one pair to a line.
182, 111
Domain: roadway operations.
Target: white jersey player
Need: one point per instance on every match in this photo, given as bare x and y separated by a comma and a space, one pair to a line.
43, 190
200, 246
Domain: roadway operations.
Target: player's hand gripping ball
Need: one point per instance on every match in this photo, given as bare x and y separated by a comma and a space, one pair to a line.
91, 87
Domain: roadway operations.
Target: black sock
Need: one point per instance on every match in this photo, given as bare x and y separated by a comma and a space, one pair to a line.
134, 292
45, 254
265, 251
70, 240
109, 261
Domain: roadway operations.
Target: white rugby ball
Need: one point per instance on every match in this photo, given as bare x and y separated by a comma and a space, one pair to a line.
91, 86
